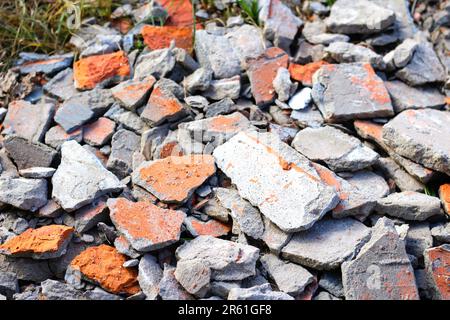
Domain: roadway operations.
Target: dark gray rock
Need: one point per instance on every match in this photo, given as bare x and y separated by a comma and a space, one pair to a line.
28, 154
124, 143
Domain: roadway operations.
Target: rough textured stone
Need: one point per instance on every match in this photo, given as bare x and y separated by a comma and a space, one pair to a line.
416, 135
424, 67
25, 268
124, 143
174, 179
133, 93
56, 136
194, 276
199, 80
359, 17
158, 63
224, 88
27, 120
344, 52
43, 243
332, 282
305, 73
437, 261
103, 265
55, 290
149, 276
262, 292
289, 277
100, 70
227, 260
61, 86
418, 239
243, 213
81, 178
409, 205
340, 151
8, 284
147, 227
401, 55
37, 172
22, 193
159, 37
279, 181
327, 244
169, 288
211, 227
406, 97
247, 42
382, 270
215, 52
274, 237
262, 71
41, 63
163, 105
27, 154
350, 91
129, 120
99, 132
280, 23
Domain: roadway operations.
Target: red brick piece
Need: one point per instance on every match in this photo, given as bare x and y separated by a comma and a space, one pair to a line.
212, 227
93, 70
162, 106
444, 194
147, 227
180, 12
99, 132
262, 70
133, 93
160, 37
304, 73
104, 265
437, 261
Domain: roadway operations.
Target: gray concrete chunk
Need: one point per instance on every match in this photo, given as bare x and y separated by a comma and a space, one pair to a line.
124, 143
262, 292
149, 276
22, 193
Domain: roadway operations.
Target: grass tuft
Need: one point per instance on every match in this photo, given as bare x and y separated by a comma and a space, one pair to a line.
250, 10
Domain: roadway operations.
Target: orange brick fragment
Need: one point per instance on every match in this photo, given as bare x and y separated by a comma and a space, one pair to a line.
103, 265
99, 132
180, 12
444, 194
437, 261
160, 37
304, 73
90, 71
212, 227
45, 242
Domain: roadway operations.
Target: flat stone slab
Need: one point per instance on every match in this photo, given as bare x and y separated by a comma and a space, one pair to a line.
61, 86
81, 178
43, 243
37, 172
22, 193
289, 277
327, 244
350, 91
345, 52
420, 135
409, 205
227, 260
359, 17
405, 97
133, 93
146, 226
211, 227
262, 292
381, 270
340, 151
29, 121
275, 178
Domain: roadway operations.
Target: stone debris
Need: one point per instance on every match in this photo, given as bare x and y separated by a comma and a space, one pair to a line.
43, 243
226, 259
81, 178
327, 244
178, 152
360, 92
147, 227
408, 134
288, 183
409, 205
174, 179
337, 149
381, 270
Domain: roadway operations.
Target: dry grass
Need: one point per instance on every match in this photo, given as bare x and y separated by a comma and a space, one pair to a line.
41, 25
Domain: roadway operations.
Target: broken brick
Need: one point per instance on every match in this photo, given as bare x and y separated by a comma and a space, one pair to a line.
156, 37
304, 73
211, 227
99, 132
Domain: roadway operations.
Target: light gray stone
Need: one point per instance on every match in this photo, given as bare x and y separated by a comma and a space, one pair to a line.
224, 88
56, 290
327, 244
275, 178
221, 256
22, 193
81, 178
199, 80
247, 42
124, 143
194, 276
37, 172
149, 276
8, 284
344, 52
263, 292
283, 85
308, 117
215, 52
274, 237
169, 288
359, 17
441, 232
158, 63
403, 180
289, 277
340, 151
409, 205
381, 270
225, 106
350, 91
419, 135
301, 100
129, 120
243, 213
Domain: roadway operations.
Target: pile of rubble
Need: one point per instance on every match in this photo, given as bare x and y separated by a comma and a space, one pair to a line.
297, 160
